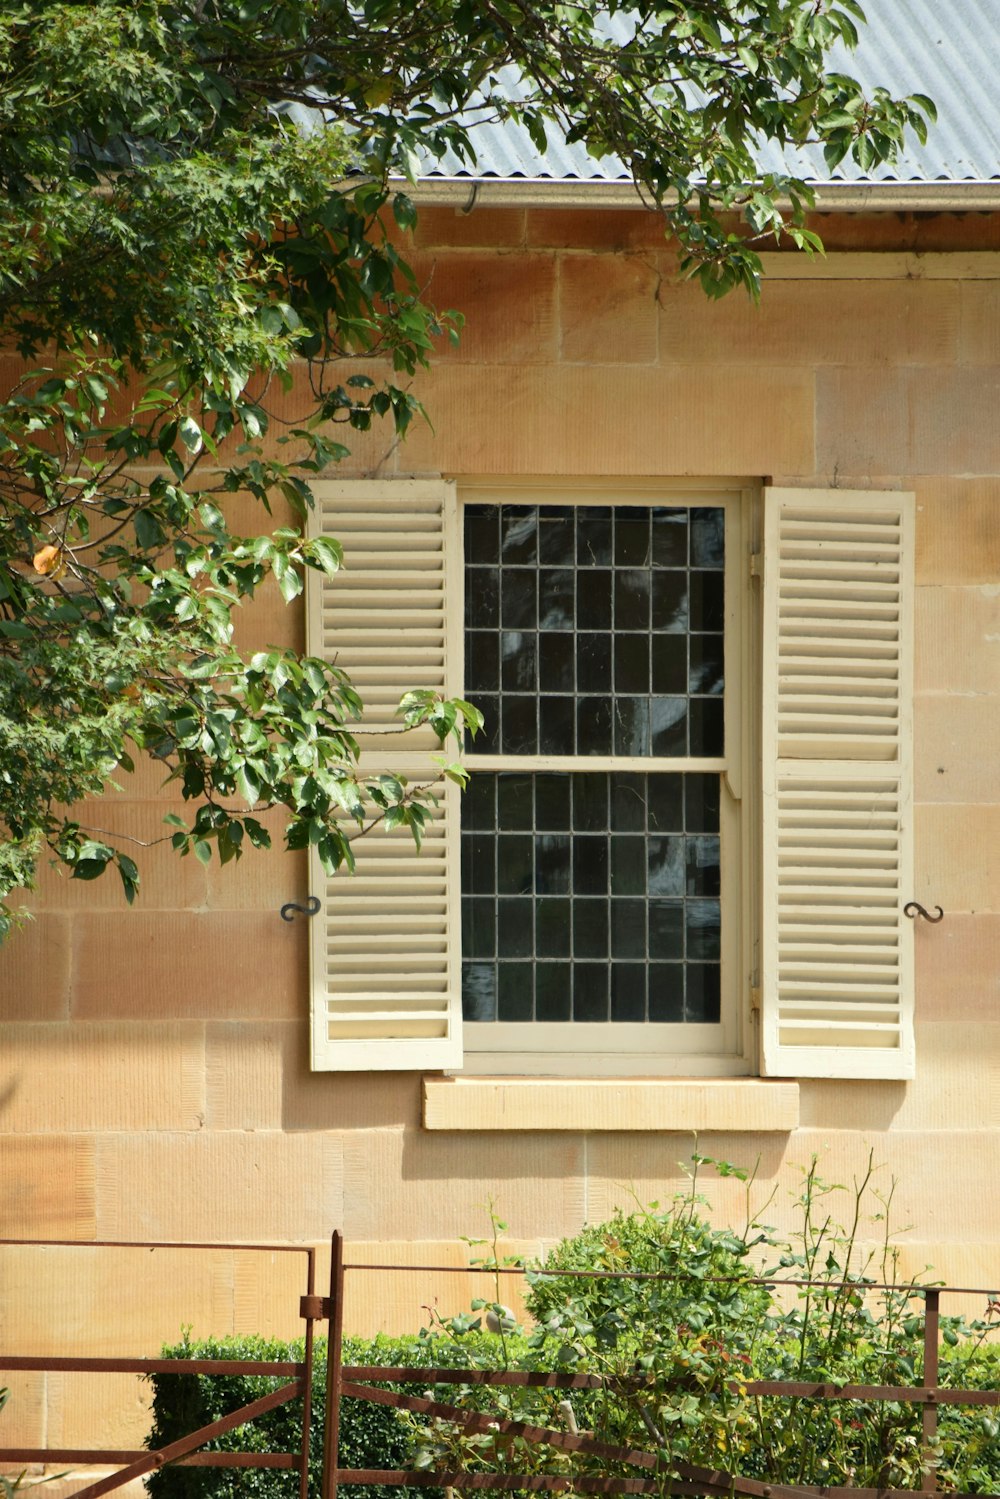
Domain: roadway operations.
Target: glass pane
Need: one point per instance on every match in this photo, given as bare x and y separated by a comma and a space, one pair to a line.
632, 664
708, 536
590, 929
482, 662
515, 802
631, 725
556, 663
593, 600
479, 991
552, 799
482, 533
515, 928
593, 663
557, 726
593, 536
666, 992
631, 537
518, 534
553, 991
518, 591
556, 599
590, 992
628, 992
519, 735
632, 600
514, 992
555, 533
670, 538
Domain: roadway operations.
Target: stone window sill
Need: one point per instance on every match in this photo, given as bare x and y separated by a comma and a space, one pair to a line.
613, 1104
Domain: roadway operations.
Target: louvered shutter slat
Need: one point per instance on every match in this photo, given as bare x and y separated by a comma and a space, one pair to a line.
836, 970
385, 966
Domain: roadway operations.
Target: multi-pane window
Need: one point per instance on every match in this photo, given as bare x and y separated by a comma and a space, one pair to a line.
591, 865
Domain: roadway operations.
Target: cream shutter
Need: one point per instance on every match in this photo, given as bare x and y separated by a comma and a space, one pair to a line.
836, 959
386, 989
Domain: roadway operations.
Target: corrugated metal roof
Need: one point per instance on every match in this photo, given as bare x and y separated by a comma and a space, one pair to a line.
949, 50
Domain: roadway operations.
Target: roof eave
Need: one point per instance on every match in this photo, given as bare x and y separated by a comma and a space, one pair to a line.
466, 193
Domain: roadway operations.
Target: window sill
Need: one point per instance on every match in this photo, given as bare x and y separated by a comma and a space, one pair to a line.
609, 1104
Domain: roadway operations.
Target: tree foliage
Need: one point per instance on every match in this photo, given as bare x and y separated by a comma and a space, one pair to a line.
201, 210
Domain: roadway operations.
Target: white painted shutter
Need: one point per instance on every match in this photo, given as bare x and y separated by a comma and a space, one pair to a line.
836, 958
386, 987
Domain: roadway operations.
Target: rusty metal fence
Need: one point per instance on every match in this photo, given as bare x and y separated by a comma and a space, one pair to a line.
186, 1449
363, 1382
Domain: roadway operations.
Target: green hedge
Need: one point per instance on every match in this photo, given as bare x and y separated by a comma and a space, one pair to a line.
371, 1436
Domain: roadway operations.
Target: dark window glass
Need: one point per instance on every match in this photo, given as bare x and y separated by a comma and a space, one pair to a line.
515, 863
590, 803
632, 599
705, 726
593, 536
668, 725
670, 602
670, 538
519, 732
594, 726
515, 928
553, 927
631, 725
628, 927
515, 803
556, 543
519, 534
708, 602
708, 536
556, 663
632, 664
593, 663
553, 991
518, 595
590, 865
482, 662
482, 598
669, 664
479, 991
552, 802
593, 600
556, 599
590, 992
666, 992
556, 726
628, 992
703, 998
552, 863
482, 533
706, 657
590, 929
631, 537
514, 992
594, 630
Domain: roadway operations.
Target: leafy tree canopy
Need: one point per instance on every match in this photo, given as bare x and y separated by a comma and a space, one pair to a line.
199, 196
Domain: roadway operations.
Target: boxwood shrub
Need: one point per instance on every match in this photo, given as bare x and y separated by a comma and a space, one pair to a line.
371, 1436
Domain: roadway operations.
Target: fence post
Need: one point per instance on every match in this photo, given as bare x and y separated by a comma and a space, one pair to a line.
307, 1359
932, 1305
331, 1435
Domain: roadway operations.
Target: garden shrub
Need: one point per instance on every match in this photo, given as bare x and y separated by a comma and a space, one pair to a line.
371, 1436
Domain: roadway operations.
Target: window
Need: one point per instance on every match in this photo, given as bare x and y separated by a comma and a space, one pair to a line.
764, 929
592, 861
